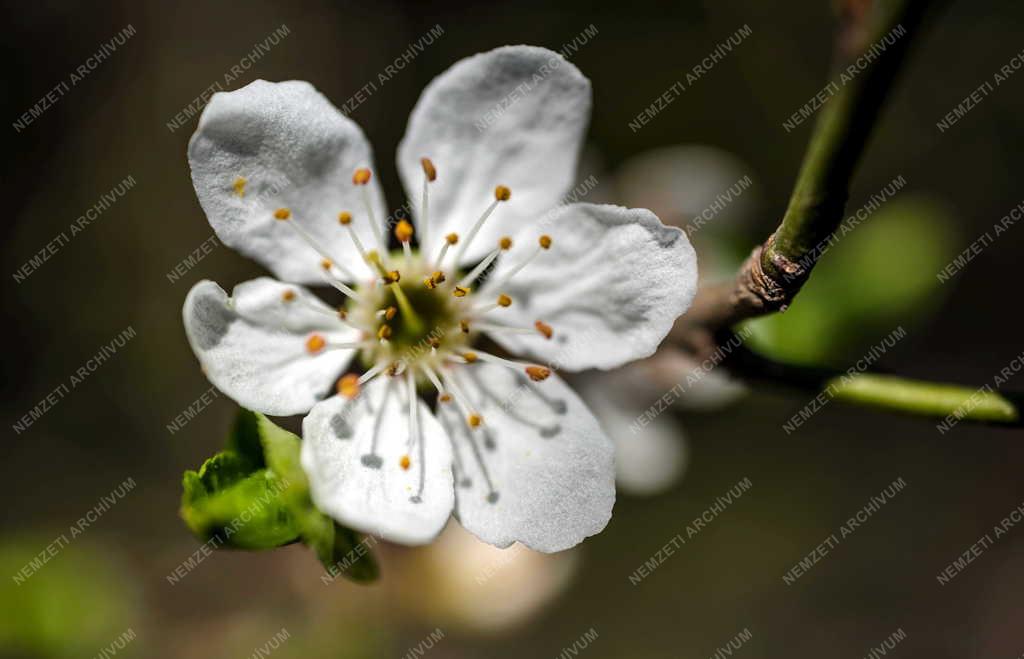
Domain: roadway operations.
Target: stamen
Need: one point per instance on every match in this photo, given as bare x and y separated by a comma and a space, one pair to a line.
464, 326
543, 243
473, 417
404, 232
536, 373
460, 291
345, 219
288, 295
349, 386
405, 463
432, 376
503, 245
501, 193
337, 283
372, 373
239, 186
361, 177
384, 332
285, 215
429, 175
449, 240
544, 329
492, 494
502, 301
315, 343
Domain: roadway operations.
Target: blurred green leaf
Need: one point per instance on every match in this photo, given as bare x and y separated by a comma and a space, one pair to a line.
255, 495
875, 276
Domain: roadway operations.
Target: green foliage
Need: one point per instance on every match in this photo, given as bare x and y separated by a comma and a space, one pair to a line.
877, 274
72, 606
254, 495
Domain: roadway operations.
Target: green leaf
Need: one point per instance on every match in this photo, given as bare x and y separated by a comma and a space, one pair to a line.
255, 495
877, 274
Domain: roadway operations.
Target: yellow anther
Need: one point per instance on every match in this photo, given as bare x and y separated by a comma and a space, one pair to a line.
445, 398
501, 193
475, 420
326, 264
288, 295
393, 369
505, 243
342, 314
239, 186
392, 277
464, 326
384, 332
389, 313
428, 169
460, 291
282, 214
361, 176
403, 231
315, 343
405, 463
470, 357
538, 373
434, 342
504, 300
438, 277
544, 329
429, 283
348, 386
452, 238
345, 218
545, 241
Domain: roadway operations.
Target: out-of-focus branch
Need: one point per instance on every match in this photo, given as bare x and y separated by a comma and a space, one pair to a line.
951, 402
773, 274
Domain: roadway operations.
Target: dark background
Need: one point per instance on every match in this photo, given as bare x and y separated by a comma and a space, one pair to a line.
728, 578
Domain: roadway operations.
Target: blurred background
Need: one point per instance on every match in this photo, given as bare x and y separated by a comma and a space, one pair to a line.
459, 598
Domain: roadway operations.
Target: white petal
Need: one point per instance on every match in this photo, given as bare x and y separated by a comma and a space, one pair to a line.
651, 454
354, 466
611, 286
539, 471
295, 150
513, 116
252, 346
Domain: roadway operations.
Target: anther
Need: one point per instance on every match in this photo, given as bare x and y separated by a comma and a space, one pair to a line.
344, 218
502, 193
282, 214
239, 186
429, 169
505, 243
445, 398
403, 231
538, 373
288, 295
545, 241
464, 326
389, 313
544, 329
438, 277
470, 357
361, 176
504, 300
393, 369
460, 291
326, 264
405, 462
474, 420
429, 283
452, 238
434, 342
315, 343
384, 333
348, 386
392, 277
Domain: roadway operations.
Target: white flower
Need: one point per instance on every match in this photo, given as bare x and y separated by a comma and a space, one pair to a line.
490, 150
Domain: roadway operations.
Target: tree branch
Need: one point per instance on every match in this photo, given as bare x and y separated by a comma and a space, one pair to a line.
775, 271
951, 402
